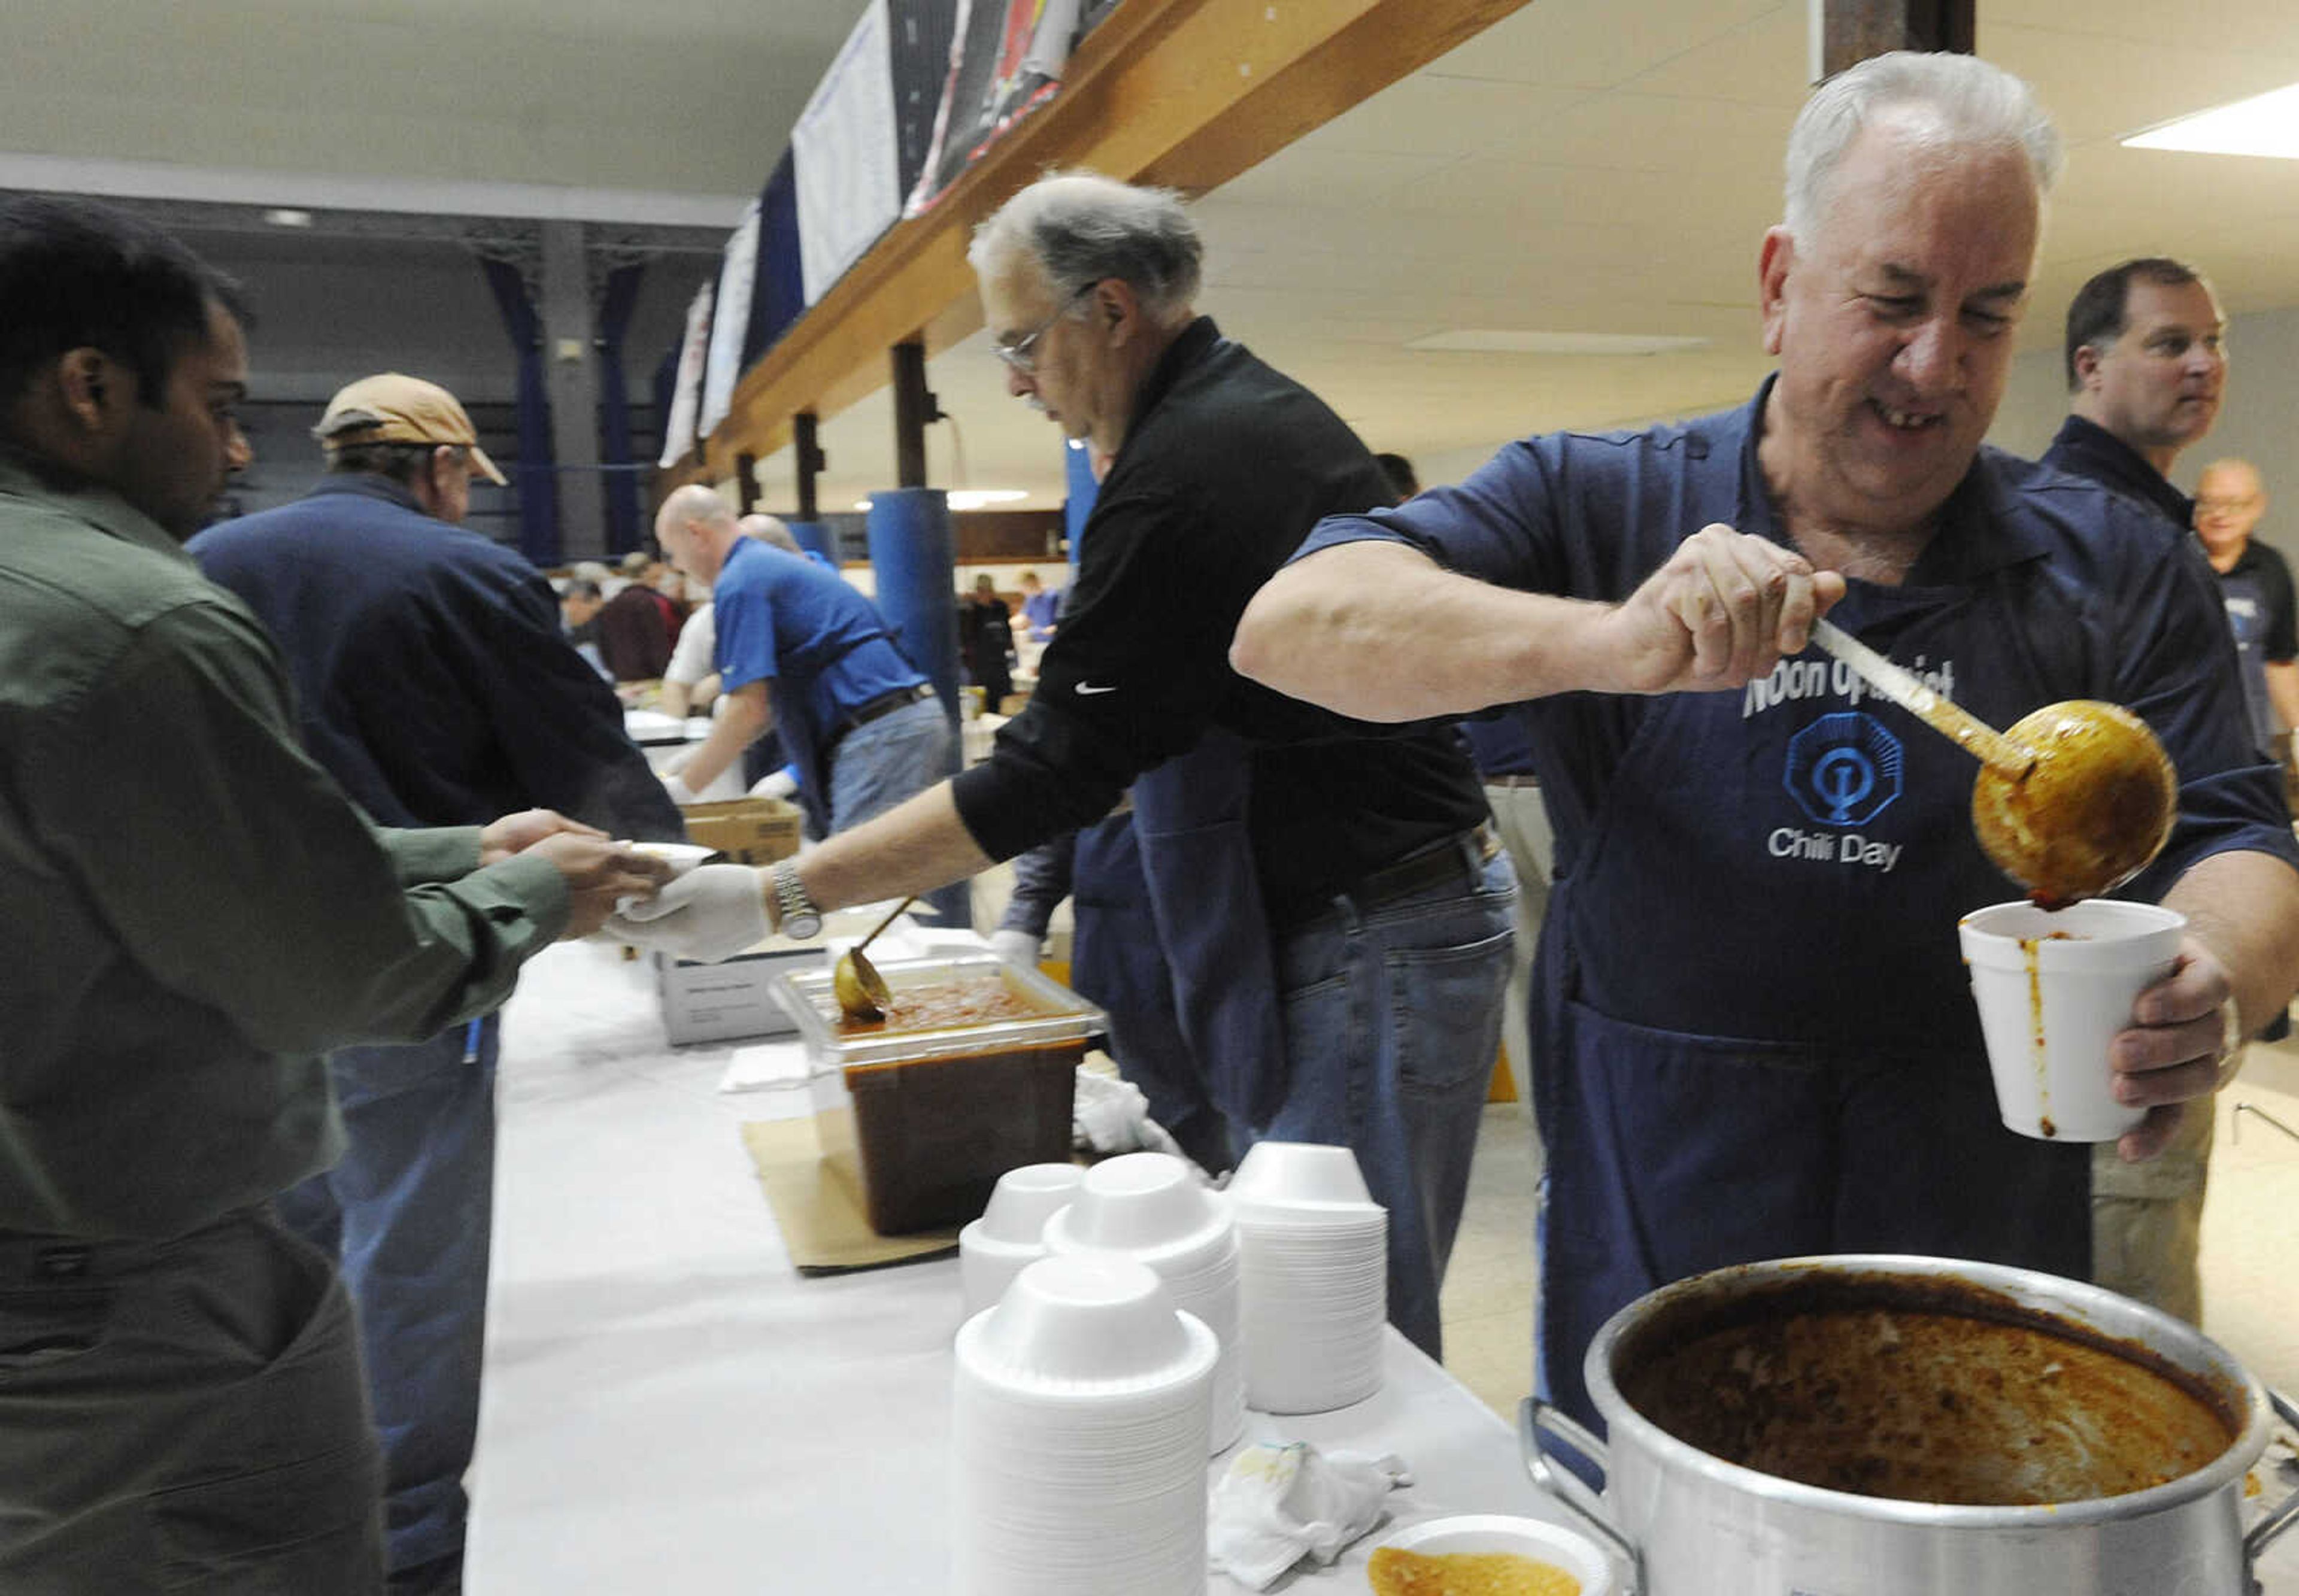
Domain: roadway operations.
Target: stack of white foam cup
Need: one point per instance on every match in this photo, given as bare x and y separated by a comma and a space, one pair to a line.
1313, 1294
1152, 1207
1010, 1234
1078, 1437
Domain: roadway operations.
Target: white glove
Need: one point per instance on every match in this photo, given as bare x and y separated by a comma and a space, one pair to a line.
1016, 947
779, 783
680, 792
710, 913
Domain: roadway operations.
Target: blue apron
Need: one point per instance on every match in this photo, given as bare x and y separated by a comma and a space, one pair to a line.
1117, 962
1769, 884
1189, 817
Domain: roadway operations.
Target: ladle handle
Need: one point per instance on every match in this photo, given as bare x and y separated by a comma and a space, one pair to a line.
882, 925
1943, 714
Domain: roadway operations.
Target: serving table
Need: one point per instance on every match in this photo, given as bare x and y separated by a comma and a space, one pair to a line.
669, 1406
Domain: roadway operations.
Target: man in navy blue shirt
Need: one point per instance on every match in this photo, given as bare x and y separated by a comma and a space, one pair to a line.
2147, 362
2145, 355
1754, 1034
801, 653
433, 680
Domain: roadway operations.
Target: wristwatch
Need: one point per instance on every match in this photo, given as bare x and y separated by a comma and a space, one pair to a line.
797, 916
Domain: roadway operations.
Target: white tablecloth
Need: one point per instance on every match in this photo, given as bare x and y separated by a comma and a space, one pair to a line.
669, 1407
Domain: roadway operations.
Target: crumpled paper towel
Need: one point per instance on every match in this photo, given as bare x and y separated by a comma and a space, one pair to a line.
1277, 1504
1109, 1116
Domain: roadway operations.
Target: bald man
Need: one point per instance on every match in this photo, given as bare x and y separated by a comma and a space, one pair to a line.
2256, 583
799, 651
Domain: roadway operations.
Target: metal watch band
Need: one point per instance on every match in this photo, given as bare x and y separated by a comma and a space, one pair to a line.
791, 900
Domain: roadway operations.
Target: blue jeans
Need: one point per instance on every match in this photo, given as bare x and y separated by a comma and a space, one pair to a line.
408, 1209
896, 757
1392, 1024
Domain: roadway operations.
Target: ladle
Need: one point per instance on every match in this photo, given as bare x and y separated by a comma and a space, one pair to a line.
1943, 714
2075, 801
862, 991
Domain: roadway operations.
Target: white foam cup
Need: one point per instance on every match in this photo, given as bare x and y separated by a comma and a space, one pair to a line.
1139, 1200
2054, 987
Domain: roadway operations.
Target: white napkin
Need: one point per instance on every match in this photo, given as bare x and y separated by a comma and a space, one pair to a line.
1276, 1505
1109, 1115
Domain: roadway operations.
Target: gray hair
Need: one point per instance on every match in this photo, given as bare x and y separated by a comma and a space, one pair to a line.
1977, 106
769, 529
1080, 226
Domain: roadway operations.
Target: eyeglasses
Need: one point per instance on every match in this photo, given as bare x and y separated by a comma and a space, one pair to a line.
1018, 354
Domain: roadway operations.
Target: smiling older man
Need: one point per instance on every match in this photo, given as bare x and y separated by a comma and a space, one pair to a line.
1754, 1028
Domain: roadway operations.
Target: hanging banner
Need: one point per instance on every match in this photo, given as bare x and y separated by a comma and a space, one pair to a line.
686, 390
843, 148
730, 321
1006, 60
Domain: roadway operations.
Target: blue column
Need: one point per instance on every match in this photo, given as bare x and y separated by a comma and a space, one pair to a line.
815, 537
622, 483
1077, 464
912, 557
534, 471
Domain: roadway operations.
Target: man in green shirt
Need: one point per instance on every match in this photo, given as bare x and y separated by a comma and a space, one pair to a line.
191, 913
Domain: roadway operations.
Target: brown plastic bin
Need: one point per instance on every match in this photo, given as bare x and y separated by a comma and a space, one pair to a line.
921, 1123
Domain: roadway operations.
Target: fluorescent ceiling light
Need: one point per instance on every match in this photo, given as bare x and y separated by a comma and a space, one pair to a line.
285, 217
1496, 340
2265, 124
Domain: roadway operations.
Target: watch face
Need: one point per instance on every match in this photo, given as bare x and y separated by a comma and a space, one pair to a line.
802, 925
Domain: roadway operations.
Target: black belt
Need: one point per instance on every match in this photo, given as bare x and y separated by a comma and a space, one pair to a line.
878, 709
1457, 861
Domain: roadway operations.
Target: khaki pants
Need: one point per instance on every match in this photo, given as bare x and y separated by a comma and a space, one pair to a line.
2148, 1219
1521, 820
183, 1416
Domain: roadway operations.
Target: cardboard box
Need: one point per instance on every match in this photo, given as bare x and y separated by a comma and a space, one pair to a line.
726, 1002
753, 831
731, 1001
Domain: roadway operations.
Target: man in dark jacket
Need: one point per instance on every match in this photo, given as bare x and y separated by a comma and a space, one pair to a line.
434, 682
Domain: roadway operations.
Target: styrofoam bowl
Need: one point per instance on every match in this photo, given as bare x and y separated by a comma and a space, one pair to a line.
1140, 1199
1298, 1171
1534, 1538
1026, 1198
1085, 1319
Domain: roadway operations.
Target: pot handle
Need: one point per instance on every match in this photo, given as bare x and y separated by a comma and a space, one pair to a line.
2266, 1532
1537, 1415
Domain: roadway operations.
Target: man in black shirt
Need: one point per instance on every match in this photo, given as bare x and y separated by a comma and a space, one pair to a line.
1333, 910
2145, 364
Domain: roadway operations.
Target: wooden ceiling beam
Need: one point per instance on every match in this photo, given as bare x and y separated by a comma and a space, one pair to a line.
1187, 92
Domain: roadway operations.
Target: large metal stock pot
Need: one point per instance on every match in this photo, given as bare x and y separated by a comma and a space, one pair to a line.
1692, 1524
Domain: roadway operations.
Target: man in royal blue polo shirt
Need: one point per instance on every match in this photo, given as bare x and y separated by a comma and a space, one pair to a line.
800, 651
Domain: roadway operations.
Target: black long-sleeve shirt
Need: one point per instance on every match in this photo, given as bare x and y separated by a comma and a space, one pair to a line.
1225, 467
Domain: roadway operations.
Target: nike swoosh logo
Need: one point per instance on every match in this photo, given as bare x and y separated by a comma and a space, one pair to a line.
1087, 689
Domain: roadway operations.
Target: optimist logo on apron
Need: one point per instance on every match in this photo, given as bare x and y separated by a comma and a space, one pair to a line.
1844, 769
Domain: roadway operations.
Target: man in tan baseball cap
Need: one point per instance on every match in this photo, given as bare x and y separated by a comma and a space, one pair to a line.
393, 414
